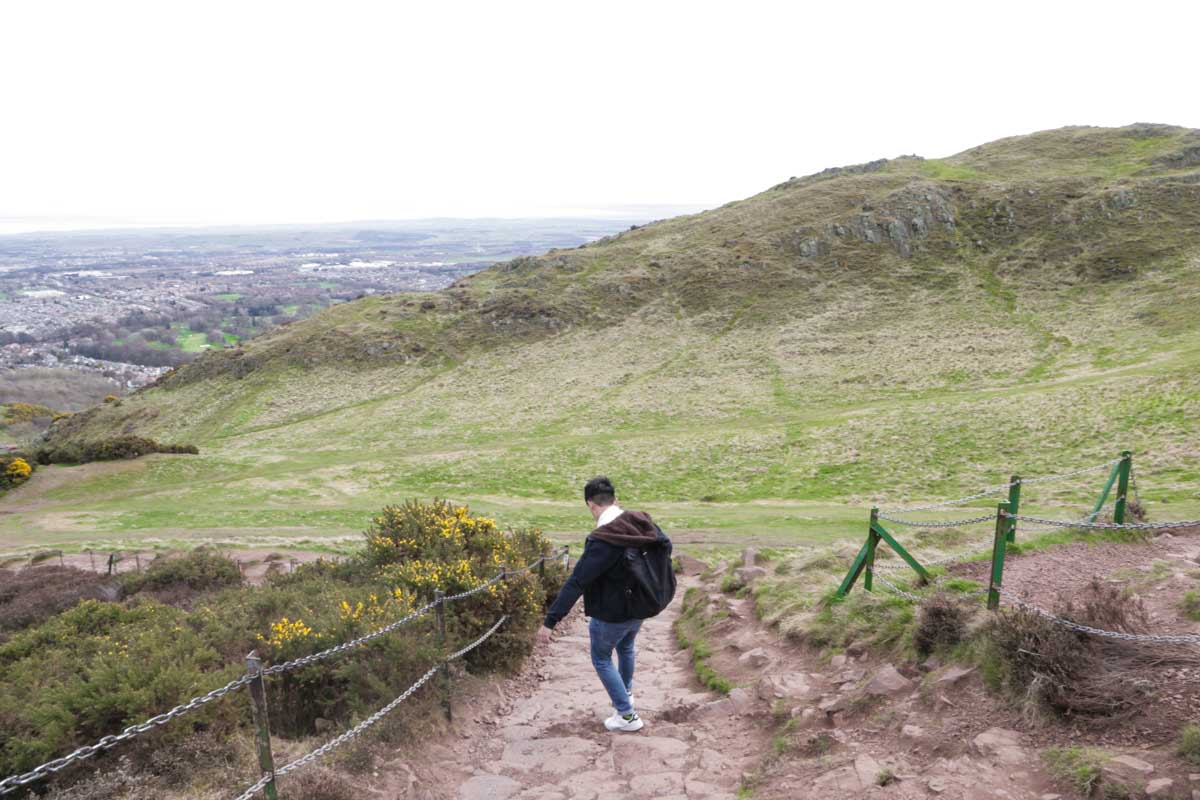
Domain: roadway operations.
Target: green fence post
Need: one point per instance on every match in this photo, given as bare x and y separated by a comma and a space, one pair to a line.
869, 563
998, 549
1112, 478
1124, 468
897, 548
439, 597
860, 560
262, 725
1014, 505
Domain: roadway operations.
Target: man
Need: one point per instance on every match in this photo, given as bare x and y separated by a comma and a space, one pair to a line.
602, 578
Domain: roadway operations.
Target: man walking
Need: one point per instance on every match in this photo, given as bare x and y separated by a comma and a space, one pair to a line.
602, 575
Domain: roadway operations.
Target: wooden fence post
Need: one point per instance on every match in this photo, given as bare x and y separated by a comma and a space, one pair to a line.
998, 548
439, 598
262, 726
1122, 486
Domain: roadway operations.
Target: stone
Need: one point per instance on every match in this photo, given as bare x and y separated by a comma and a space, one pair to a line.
643, 755
488, 787
756, 658
856, 649
323, 725
748, 556
748, 574
867, 769
936, 785
656, 784
1000, 744
843, 779
953, 675
838, 661
1127, 769
914, 736
742, 700
794, 686
1159, 787
887, 681
557, 755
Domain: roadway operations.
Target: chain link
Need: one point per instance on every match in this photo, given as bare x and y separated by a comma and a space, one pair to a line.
50, 767
1152, 638
1106, 526
338, 741
948, 524
1004, 487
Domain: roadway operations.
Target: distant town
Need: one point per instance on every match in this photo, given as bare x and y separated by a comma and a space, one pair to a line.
128, 305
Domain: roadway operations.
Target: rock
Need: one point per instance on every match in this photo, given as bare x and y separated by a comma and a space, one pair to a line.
742, 700
936, 785
658, 783
748, 574
1127, 769
644, 755
488, 787
1159, 787
756, 658
953, 675
843, 779
748, 556
1051, 797
1003, 745
856, 649
914, 736
323, 725
793, 685
558, 755
838, 661
888, 681
867, 769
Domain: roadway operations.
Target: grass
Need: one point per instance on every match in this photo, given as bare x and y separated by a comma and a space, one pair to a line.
792, 394
1077, 767
1188, 747
229, 297
689, 633
1191, 605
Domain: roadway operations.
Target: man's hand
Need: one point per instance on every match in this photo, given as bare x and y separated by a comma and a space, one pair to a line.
543, 635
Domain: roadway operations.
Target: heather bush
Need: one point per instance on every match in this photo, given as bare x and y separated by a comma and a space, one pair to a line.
111, 449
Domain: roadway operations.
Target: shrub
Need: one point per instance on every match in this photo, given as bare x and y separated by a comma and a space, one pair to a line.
941, 622
1191, 605
1188, 747
200, 570
1077, 767
111, 449
15, 469
98, 666
1049, 666
35, 594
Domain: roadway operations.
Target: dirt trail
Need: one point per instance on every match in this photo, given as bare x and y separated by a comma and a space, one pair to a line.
544, 738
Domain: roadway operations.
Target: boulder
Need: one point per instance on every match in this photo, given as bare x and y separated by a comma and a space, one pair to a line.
1160, 787
867, 769
887, 681
1000, 744
1127, 769
756, 658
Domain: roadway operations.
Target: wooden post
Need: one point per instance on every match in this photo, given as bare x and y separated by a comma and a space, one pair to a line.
92, 558
137, 560
439, 597
1122, 486
998, 548
110, 563
1014, 505
262, 726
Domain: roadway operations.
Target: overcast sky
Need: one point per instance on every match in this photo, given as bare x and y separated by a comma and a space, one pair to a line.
299, 112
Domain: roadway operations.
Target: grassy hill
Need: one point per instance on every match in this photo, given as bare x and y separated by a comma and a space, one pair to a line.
903, 329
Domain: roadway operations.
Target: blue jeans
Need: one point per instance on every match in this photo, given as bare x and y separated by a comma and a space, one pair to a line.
618, 681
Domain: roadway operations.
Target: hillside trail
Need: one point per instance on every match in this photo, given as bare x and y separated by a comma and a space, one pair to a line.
542, 735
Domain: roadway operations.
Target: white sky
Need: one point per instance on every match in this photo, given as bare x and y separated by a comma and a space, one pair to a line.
298, 112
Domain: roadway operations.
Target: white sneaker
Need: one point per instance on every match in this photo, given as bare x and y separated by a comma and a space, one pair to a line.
619, 723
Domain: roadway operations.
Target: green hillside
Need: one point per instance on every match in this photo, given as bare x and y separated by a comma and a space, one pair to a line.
902, 329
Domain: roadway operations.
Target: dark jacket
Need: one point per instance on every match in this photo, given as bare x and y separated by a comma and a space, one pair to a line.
600, 574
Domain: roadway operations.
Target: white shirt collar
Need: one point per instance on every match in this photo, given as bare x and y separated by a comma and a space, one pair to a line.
609, 514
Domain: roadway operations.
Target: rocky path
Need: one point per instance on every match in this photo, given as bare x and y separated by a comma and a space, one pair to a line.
545, 738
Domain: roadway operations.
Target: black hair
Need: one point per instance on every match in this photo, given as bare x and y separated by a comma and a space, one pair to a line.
599, 490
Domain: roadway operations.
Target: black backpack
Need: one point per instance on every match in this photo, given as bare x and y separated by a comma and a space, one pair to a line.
651, 578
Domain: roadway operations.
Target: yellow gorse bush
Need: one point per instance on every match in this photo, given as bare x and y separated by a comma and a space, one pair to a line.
18, 470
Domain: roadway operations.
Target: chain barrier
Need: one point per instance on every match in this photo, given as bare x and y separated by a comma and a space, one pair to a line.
1106, 526
978, 546
1151, 638
14, 782
913, 597
948, 524
50, 767
338, 741
1004, 487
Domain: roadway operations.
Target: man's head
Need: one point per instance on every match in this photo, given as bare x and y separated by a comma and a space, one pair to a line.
599, 494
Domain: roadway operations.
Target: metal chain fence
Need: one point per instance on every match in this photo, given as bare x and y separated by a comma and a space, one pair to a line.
15, 782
